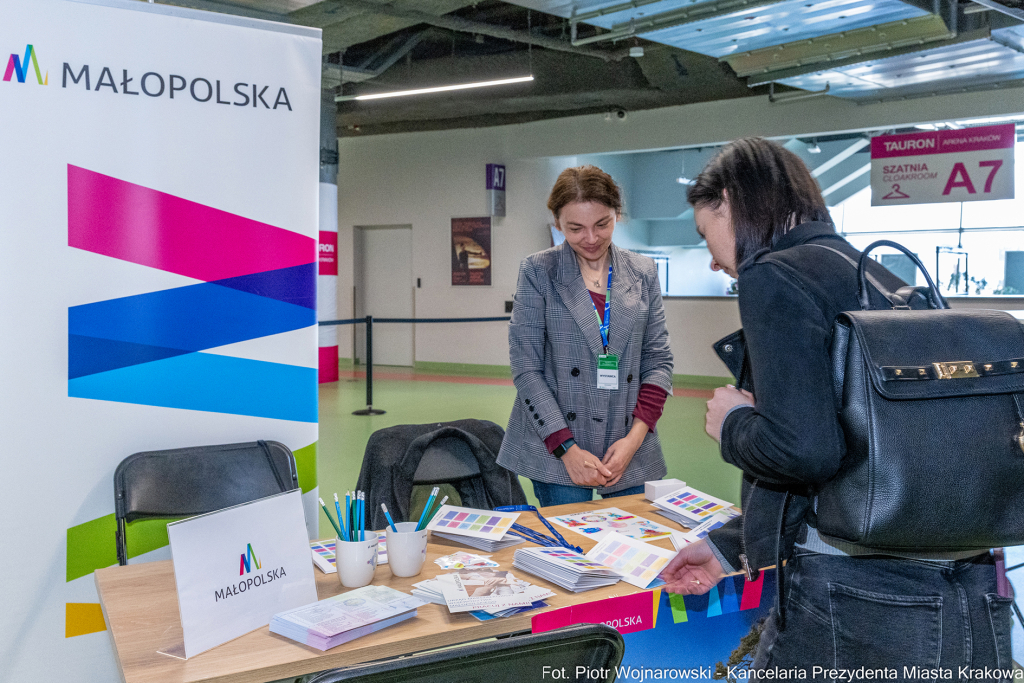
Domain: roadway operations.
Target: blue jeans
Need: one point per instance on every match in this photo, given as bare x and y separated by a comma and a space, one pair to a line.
560, 494
846, 612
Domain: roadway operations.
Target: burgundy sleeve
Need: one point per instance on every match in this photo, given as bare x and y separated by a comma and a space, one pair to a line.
558, 438
650, 403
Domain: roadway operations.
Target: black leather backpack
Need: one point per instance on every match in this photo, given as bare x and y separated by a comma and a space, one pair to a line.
932, 406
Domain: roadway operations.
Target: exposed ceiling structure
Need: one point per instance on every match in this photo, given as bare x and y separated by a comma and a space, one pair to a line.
589, 56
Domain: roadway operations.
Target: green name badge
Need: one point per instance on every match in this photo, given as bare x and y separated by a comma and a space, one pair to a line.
608, 372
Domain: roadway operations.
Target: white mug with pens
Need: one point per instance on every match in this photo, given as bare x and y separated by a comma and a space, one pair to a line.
356, 548
407, 541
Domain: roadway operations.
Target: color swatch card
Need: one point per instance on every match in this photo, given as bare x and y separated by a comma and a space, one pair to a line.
565, 568
324, 557
691, 504
701, 530
635, 561
469, 522
599, 523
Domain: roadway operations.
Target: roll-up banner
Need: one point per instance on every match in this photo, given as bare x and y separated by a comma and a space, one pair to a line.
158, 242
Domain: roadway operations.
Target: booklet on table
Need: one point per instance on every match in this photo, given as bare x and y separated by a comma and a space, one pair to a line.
339, 619
493, 591
597, 524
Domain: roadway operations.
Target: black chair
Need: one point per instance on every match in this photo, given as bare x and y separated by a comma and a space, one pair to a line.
446, 460
191, 481
597, 647
460, 456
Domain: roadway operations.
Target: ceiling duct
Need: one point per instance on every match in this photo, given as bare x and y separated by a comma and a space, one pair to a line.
839, 46
453, 23
1001, 8
677, 17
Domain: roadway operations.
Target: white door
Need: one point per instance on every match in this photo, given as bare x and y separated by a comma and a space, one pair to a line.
383, 279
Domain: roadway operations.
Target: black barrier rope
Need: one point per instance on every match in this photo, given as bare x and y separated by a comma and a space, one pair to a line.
352, 321
369, 320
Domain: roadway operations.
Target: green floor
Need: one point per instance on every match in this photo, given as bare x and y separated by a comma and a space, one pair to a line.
689, 453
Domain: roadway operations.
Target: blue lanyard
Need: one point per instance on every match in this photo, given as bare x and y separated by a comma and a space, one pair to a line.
603, 324
535, 536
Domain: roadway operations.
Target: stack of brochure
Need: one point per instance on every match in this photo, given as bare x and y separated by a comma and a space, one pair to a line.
689, 507
482, 543
485, 593
565, 568
481, 529
331, 622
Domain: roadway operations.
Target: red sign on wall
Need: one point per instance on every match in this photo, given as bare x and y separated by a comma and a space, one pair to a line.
328, 253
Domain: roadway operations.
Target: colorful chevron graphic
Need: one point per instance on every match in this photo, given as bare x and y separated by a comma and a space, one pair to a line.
257, 280
19, 67
248, 561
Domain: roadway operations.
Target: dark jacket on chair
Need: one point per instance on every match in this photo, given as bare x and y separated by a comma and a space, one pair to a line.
393, 454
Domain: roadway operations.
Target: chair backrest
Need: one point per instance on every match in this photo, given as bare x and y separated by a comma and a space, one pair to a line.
190, 481
510, 660
446, 459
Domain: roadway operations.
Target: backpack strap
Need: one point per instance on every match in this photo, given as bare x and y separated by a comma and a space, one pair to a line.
871, 278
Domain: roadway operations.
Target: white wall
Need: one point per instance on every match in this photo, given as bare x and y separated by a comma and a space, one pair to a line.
425, 179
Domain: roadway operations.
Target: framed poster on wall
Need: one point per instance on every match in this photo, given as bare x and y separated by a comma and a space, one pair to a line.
471, 251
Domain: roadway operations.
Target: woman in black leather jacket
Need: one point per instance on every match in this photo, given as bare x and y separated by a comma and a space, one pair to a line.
841, 606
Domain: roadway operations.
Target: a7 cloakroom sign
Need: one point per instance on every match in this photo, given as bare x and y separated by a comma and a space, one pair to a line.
967, 165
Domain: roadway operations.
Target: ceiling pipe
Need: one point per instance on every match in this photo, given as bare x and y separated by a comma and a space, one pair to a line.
1017, 14
614, 9
466, 26
793, 97
673, 18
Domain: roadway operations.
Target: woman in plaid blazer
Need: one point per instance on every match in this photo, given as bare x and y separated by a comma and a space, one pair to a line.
566, 433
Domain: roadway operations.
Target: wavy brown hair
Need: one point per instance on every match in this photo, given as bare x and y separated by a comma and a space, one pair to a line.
584, 184
769, 190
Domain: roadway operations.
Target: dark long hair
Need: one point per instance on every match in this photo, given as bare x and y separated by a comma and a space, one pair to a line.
769, 190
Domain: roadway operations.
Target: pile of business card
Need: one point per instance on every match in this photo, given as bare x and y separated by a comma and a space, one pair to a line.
566, 568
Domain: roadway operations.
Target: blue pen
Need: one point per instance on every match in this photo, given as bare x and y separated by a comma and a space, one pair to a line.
430, 502
341, 520
387, 514
348, 514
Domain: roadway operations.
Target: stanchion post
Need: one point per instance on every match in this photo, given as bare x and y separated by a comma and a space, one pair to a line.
369, 410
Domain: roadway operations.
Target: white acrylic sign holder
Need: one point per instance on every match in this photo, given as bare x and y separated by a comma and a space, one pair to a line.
238, 567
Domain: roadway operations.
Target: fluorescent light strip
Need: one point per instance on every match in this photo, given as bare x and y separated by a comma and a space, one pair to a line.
441, 88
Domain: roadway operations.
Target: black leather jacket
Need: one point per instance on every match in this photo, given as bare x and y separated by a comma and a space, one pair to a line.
789, 297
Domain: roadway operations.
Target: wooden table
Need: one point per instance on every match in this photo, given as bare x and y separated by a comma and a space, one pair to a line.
140, 606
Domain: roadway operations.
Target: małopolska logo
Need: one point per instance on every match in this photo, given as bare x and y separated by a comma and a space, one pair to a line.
19, 67
247, 564
248, 561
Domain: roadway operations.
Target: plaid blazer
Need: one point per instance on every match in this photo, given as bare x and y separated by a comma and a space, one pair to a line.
554, 342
